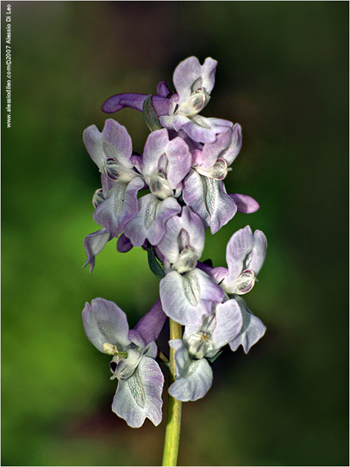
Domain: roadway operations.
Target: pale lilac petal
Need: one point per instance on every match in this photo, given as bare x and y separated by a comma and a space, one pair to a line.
252, 330
211, 151
186, 297
180, 161
235, 145
185, 75
117, 142
228, 323
208, 198
218, 274
194, 378
119, 207
105, 323
93, 142
256, 261
238, 247
189, 71
140, 396
149, 223
155, 146
130, 205
245, 203
94, 244
208, 74
189, 222
107, 213
113, 142
202, 129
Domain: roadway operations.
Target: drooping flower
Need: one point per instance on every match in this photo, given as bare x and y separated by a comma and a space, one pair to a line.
194, 375
140, 380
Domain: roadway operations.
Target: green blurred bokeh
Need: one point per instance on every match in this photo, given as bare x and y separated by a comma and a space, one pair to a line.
283, 75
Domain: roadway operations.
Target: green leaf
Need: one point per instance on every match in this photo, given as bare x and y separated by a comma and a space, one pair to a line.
212, 359
154, 264
150, 115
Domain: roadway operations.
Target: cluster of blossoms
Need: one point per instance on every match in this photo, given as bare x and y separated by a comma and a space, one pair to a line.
163, 201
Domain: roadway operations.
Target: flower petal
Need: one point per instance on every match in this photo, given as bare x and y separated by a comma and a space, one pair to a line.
149, 223
105, 323
194, 377
140, 396
208, 198
151, 324
189, 222
186, 297
238, 247
114, 142
245, 203
94, 244
228, 323
252, 330
258, 256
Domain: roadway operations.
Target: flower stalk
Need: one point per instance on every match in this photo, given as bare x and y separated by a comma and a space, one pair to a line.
173, 426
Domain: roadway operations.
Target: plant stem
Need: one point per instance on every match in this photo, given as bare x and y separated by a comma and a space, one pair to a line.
172, 432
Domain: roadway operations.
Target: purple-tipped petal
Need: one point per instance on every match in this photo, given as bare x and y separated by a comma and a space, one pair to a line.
162, 89
94, 244
252, 330
105, 323
140, 396
120, 101
150, 326
245, 203
123, 244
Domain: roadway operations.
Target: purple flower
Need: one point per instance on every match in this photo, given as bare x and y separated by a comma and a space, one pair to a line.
186, 297
245, 255
140, 380
209, 199
111, 150
252, 329
164, 163
194, 375
193, 83
183, 241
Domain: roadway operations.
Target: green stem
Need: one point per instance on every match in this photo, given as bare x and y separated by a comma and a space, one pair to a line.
172, 432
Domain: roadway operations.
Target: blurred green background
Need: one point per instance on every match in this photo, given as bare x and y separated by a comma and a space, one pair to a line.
283, 75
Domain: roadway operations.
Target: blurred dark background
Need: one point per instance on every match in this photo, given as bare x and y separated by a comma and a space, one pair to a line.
283, 75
